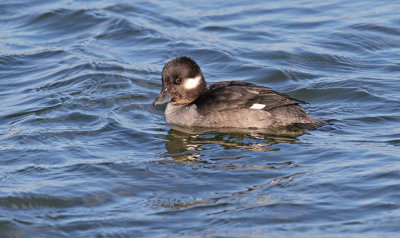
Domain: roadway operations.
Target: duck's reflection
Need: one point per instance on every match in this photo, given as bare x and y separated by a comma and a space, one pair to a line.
182, 143
227, 149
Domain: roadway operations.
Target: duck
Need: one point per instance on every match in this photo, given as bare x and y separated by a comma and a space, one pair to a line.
227, 104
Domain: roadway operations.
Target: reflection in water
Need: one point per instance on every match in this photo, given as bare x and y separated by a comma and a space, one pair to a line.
181, 141
186, 145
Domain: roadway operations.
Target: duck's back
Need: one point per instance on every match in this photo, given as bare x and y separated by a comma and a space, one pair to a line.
240, 104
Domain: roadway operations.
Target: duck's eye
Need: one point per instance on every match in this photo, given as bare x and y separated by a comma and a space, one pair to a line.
179, 80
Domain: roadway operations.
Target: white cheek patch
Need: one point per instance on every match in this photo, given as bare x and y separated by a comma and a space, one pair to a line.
192, 82
257, 106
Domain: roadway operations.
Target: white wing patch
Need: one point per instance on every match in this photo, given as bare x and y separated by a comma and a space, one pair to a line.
257, 106
192, 82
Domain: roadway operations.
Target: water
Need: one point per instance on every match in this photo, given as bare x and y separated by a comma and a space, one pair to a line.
83, 153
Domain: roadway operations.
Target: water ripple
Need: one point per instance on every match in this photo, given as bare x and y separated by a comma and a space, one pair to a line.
84, 153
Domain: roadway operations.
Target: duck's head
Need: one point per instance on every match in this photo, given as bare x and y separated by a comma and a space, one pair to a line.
182, 82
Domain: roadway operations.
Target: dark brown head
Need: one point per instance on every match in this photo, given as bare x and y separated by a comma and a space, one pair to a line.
182, 82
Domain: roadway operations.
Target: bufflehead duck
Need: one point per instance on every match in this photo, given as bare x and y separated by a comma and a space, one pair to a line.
224, 104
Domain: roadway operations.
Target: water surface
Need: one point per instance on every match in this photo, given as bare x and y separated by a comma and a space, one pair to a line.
83, 153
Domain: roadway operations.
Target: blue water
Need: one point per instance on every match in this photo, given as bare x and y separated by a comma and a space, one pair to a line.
83, 153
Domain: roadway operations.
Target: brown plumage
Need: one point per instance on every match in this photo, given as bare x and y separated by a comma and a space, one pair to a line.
225, 104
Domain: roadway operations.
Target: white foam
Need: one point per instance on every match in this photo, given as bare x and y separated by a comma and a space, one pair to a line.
257, 106
192, 82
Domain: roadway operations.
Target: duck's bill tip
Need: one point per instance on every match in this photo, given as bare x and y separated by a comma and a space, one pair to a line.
163, 97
